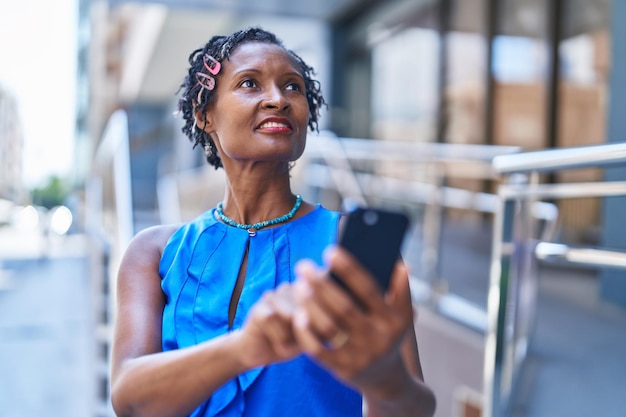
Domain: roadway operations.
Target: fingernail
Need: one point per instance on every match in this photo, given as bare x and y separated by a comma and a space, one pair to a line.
300, 319
328, 254
303, 266
302, 289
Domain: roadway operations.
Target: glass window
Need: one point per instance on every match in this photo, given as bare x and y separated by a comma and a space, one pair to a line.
465, 91
519, 69
582, 115
404, 86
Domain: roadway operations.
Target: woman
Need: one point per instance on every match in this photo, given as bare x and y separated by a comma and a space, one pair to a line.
214, 317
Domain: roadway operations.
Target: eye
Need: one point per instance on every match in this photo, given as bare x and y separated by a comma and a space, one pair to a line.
294, 86
248, 84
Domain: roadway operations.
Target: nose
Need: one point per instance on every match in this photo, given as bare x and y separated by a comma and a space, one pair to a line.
275, 98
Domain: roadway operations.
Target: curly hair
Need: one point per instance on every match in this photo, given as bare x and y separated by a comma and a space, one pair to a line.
194, 97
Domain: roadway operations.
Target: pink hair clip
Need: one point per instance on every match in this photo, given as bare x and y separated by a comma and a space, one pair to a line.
211, 64
205, 80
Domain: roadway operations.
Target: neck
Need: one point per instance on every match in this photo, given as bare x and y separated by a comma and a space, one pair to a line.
255, 205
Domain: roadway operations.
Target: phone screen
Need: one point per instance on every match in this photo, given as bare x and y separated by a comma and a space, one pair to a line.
374, 237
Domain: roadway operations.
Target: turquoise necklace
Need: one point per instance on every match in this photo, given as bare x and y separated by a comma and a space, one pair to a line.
253, 228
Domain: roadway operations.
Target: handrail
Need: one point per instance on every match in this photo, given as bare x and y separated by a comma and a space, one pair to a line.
559, 253
571, 190
423, 193
335, 155
561, 159
370, 149
336, 150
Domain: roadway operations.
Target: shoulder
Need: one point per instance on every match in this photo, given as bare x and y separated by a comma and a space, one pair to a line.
148, 244
157, 234
155, 237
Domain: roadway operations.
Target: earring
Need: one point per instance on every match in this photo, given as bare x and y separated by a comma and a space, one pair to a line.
208, 151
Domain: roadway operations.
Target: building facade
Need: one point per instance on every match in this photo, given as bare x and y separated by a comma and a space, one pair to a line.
11, 149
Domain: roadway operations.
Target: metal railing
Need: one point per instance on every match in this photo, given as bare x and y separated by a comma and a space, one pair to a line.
331, 163
110, 227
515, 250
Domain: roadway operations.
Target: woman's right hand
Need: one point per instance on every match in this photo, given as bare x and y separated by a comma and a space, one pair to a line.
267, 335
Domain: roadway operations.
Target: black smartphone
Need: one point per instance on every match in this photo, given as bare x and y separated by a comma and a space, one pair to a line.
374, 237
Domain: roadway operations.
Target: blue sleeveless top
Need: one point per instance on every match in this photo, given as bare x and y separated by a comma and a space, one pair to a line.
199, 268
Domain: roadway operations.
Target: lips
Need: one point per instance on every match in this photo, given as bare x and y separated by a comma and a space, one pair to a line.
275, 124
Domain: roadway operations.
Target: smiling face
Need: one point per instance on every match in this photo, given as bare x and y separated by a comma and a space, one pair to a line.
260, 111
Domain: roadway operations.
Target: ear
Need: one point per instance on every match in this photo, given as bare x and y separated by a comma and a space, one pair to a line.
203, 121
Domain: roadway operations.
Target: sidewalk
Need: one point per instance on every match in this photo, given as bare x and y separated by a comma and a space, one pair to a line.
46, 337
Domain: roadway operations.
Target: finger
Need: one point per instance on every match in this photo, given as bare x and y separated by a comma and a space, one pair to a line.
398, 296
283, 300
356, 278
275, 312
308, 341
388, 314
283, 343
329, 307
323, 322
322, 299
319, 313
305, 337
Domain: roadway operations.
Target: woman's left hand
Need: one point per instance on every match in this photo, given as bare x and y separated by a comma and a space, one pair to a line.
357, 336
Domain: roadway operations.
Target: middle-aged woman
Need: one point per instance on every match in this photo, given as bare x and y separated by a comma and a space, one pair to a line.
233, 313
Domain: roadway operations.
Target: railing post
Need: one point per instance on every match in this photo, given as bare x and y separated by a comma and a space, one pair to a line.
432, 229
503, 281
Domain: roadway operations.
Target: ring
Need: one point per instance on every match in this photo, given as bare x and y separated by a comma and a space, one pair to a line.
340, 339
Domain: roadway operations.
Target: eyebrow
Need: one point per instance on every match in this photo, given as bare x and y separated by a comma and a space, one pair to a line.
254, 70
247, 70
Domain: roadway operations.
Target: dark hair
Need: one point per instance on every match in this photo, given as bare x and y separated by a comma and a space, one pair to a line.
194, 97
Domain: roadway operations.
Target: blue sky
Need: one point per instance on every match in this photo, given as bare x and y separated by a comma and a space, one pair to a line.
38, 48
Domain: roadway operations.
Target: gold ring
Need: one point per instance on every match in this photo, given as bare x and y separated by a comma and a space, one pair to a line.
340, 339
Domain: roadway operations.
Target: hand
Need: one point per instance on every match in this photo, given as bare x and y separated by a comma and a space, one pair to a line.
267, 335
356, 338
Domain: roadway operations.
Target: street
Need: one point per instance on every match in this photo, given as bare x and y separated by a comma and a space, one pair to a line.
46, 345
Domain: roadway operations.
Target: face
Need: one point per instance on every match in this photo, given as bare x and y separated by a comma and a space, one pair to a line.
260, 112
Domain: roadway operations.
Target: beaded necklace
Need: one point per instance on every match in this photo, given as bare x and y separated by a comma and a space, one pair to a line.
253, 228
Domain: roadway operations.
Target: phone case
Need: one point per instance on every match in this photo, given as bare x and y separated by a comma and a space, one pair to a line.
374, 237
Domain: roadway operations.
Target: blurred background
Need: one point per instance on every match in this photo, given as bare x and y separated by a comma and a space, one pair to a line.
496, 124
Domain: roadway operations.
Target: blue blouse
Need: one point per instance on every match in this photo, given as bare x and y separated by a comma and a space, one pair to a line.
199, 269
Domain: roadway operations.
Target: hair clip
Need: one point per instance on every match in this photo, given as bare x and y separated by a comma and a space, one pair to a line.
206, 81
211, 64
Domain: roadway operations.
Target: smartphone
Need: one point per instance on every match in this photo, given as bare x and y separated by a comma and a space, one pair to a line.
374, 237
